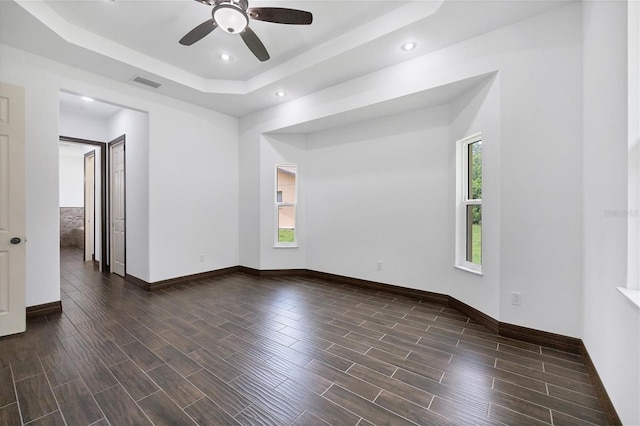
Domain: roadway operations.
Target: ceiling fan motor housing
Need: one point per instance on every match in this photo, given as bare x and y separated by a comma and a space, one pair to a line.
231, 15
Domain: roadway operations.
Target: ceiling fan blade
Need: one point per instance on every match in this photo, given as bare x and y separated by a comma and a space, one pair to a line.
198, 32
280, 15
254, 44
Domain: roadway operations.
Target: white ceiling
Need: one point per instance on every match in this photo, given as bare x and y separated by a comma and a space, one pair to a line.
88, 107
126, 38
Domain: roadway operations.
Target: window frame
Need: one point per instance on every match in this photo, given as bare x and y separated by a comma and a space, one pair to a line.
278, 204
463, 237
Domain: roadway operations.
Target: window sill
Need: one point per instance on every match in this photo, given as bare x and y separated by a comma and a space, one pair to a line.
286, 247
633, 295
464, 268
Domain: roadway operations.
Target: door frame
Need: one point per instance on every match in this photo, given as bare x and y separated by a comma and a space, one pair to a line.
89, 230
110, 144
104, 264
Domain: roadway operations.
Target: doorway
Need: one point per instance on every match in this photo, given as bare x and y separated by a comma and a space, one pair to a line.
83, 185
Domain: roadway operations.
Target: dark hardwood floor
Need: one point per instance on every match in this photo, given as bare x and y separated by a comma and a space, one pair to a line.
246, 350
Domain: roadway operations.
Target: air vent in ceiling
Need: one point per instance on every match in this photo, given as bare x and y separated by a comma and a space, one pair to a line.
146, 82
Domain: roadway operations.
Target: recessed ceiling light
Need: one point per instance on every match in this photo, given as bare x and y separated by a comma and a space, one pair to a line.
410, 45
225, 57
281, 94
86, 98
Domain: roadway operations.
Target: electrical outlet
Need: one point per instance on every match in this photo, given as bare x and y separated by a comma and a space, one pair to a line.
379, 266
202, 258
515, 298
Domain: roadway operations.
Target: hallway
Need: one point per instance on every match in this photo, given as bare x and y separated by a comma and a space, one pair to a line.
246, 350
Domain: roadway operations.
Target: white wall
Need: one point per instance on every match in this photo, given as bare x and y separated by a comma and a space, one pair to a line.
135, 126
188, 146
78, 125
611, 323
193, 192
536, 193
71, 177
380, 191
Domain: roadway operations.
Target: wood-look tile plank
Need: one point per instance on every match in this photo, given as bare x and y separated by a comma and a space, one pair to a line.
175, 386
163, 411
177, 360
217, 390
308, 419
397, 387
206, 413
408, 410
76, 403
216, 346
568, 374
95, 374
215, 365
86, 347
562, 419
267, 403
27, 366
53, 419
142, 356
542, 377
147, 337
521, 406
181, 326
575, 397
423, 370
35, 397
379, 344
459, 412
133, 379
348, 381
119, 408
321, 407
363, 408
543, 358
467, 367
364, 360
7, 392
59, 367
580, 412
506, 416
10, 414
294, 372
255, 368
182, 343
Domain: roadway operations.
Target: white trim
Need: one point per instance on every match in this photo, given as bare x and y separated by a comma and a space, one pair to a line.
462, 201
469, 269
276, 243
632, 295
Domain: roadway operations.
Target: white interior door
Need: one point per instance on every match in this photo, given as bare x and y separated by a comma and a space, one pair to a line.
12, 210
117, 208
89, 205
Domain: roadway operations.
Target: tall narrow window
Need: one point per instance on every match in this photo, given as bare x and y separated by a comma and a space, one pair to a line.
286, 199
469, 211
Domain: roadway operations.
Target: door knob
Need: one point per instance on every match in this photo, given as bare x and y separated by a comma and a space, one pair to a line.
15, 240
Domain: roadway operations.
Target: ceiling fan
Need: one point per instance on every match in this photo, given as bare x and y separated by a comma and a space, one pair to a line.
232, 16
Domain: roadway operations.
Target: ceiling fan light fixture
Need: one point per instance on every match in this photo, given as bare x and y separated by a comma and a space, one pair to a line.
230, 17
